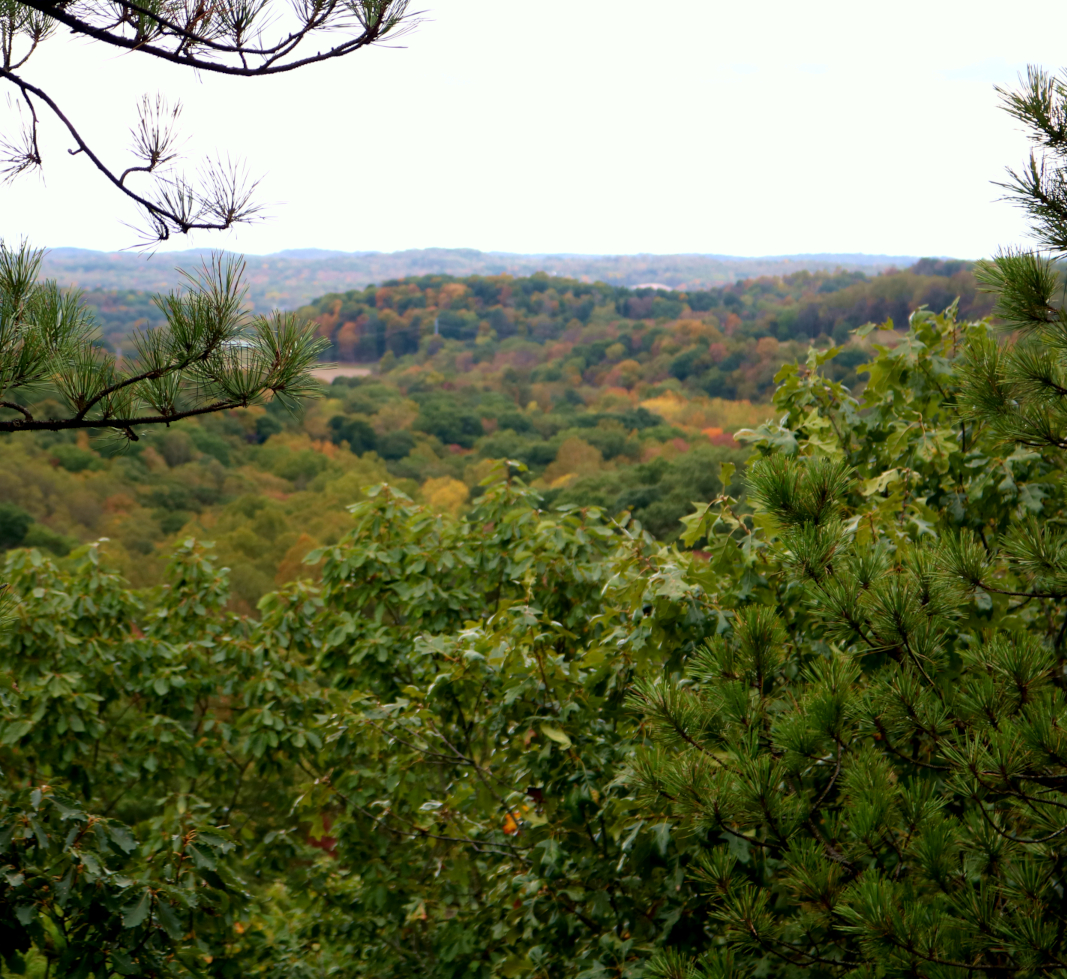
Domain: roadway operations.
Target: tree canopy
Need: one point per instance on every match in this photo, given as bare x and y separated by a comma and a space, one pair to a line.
530, 740
533, 743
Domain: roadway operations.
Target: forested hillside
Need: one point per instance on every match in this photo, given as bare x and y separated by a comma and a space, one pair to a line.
267, 486
400, 314
291, 278
626, 400
724, 342
529, 742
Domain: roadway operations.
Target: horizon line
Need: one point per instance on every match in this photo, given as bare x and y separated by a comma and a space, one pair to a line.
313, 253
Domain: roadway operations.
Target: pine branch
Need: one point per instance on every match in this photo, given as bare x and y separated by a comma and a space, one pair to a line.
382, 22
126, 425
16, 407
165, 218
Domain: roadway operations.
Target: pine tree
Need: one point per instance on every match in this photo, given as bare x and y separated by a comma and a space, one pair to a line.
209, 356
872, 752
1021, 386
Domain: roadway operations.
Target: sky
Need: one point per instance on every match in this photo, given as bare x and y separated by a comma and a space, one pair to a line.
594, 126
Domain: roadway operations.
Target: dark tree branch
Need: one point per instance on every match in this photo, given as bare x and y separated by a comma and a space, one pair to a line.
126, 424
15, 407
285, 44
161, 216
181, 56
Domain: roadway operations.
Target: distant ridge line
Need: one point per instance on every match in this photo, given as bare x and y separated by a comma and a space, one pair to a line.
293, 277
318, 254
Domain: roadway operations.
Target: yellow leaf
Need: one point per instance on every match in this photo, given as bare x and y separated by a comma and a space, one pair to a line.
445, 493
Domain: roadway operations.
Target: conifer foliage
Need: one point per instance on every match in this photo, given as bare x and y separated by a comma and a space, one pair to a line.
209, 356
872, 755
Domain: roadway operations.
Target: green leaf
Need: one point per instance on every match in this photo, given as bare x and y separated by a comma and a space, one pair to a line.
169, 919
661, 836
879, 483
67, 809
123, 964
63, 887
135, 913
121, 837
203, 859
15, 731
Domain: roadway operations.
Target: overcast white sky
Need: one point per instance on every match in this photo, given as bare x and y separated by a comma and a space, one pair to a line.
593, 126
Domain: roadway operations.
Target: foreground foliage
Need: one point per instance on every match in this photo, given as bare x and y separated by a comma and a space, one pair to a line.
427, 764
530, 742
413, 768
872, 757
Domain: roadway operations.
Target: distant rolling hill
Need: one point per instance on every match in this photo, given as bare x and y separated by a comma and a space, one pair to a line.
289, 279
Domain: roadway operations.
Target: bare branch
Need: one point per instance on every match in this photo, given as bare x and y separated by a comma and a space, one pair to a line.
178, 206
220, 36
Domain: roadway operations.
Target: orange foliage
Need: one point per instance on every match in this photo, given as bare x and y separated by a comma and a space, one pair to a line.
626, 374
292, 565
449, 293
347, 338
695, 330
718, 437
328, 321
119, 503
511, 826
